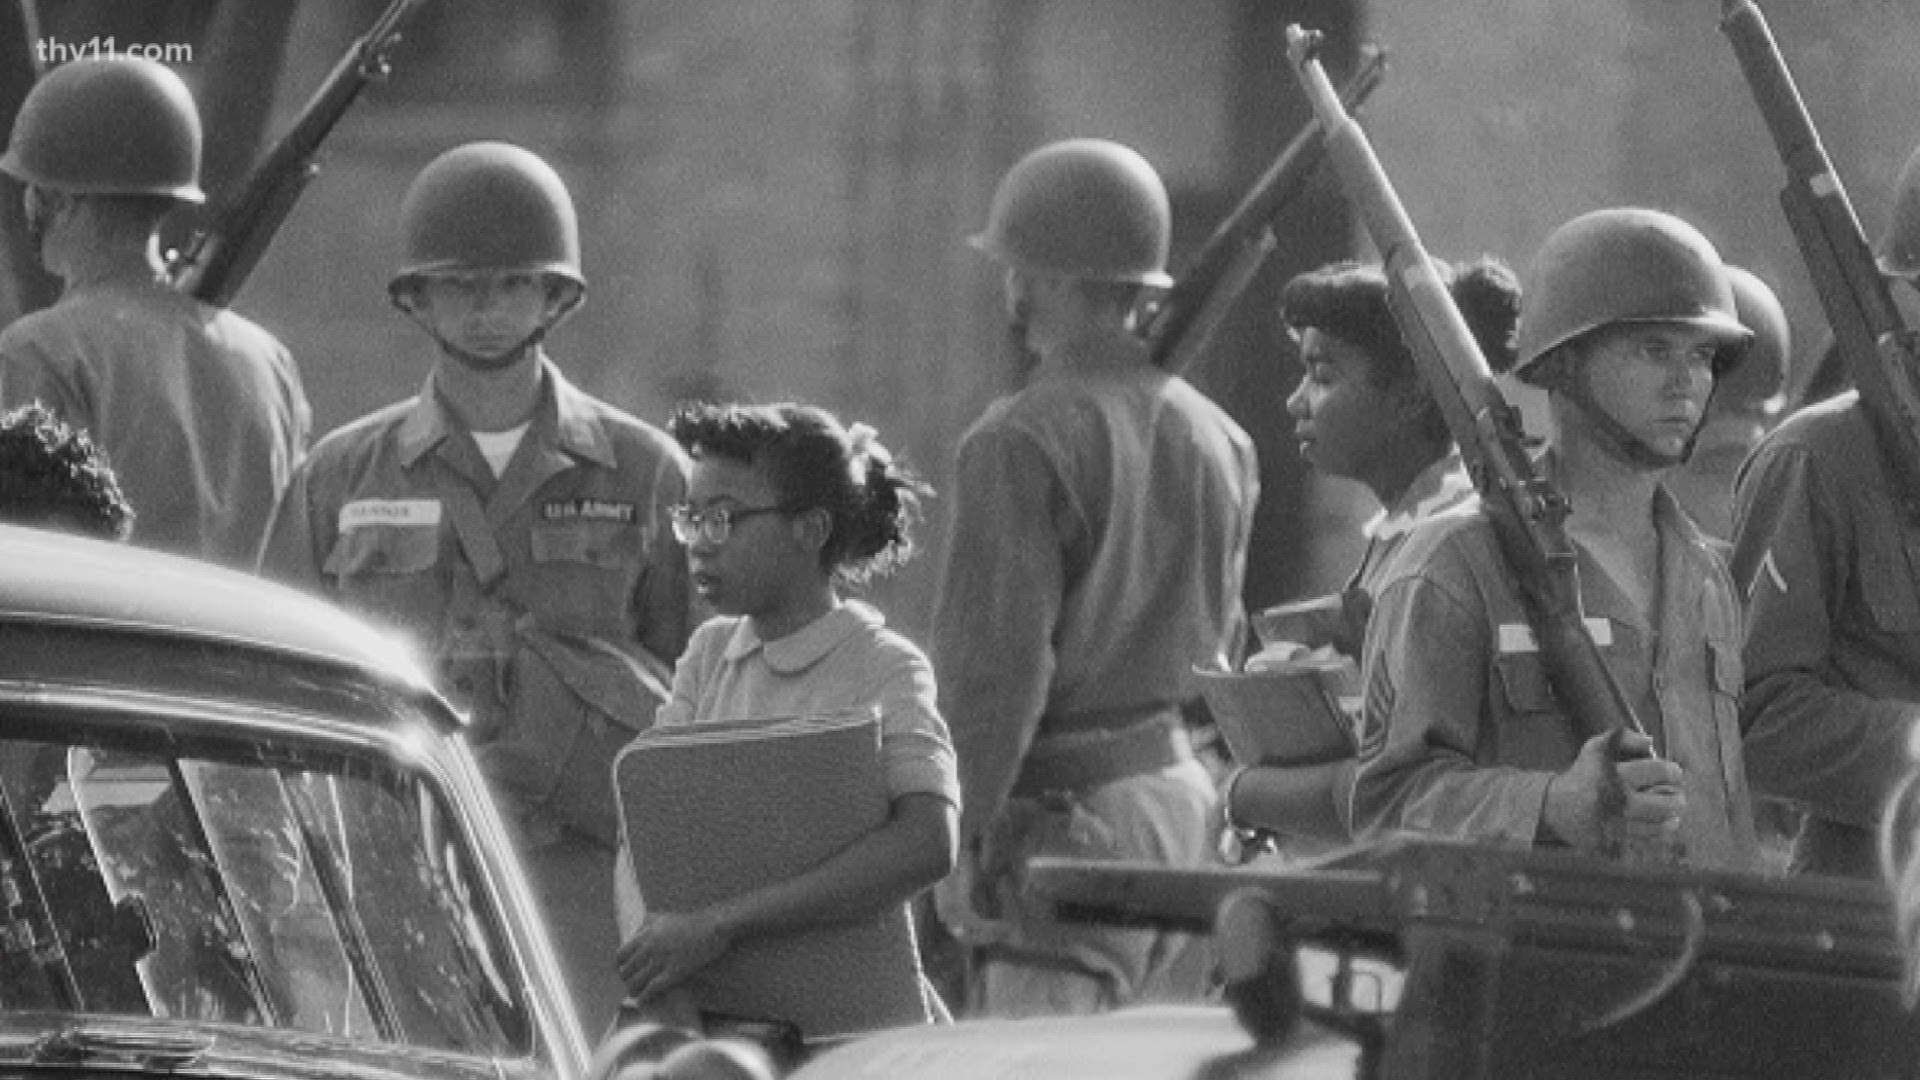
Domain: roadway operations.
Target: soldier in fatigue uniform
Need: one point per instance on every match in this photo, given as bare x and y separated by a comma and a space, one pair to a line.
1101, 519
200, 410
516, 527
1629, 318
1826, 549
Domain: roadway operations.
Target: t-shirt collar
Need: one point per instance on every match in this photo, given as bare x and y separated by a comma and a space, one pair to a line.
1440, 487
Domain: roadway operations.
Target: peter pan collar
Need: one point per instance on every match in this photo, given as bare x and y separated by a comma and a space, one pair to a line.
808, 645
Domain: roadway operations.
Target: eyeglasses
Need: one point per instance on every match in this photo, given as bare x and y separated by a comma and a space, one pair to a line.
713, 525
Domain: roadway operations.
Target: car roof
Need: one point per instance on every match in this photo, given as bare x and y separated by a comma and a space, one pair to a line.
61, 579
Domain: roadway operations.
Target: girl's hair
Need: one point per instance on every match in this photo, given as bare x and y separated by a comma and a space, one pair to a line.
872, 499
1349, 301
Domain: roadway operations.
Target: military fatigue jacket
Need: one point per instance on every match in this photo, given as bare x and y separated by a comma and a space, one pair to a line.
1833, 640
384, 514
1101, 522
201, 412
1461, 732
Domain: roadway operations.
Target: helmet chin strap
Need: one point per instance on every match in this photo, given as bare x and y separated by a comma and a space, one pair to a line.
475, 361
43, 212
1614, 438
502, 362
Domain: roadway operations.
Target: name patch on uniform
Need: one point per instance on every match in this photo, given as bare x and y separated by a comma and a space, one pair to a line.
586, 510
1518, 637
363, 512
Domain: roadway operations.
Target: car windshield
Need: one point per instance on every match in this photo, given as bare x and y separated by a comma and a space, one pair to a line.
325, 893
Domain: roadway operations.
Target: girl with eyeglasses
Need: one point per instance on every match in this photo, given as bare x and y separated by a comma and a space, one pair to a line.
786, 508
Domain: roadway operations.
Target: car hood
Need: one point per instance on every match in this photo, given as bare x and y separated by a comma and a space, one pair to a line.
1168, 1042
125, 1046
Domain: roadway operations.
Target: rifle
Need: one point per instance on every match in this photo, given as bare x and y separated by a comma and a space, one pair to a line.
1870, 331
1517, 961
221, 256
1193, 308
1528, 514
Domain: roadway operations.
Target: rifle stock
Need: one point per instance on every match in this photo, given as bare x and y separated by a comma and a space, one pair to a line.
1527, 513
1185, 320
222, 256
1871, 333
1141, 894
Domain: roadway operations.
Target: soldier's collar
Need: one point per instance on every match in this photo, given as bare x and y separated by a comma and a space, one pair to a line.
563, 410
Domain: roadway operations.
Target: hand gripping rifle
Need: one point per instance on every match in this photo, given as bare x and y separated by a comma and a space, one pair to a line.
1872, 336
1185, 320
1528, 514
221, 257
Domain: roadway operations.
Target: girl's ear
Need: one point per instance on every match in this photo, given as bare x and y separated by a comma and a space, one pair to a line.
816, 527
1410, 401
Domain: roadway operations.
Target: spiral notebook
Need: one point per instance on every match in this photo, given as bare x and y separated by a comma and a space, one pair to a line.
713, 810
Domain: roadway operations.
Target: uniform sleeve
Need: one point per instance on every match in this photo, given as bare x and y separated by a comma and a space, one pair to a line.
999, 602
916, 750
1837, 749
662, 598
298, 537
29, 373
1424, 665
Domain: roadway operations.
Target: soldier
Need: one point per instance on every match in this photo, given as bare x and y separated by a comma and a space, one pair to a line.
1361, 413
1629, 318
1825, 547
1101, 522
516, 527
201, 410
1744, 405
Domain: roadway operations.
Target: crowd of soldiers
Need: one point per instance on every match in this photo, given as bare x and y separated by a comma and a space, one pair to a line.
575, 574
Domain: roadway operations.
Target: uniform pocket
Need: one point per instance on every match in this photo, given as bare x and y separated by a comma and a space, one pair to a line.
606, 544
1887, 585
384, 549
1532, 731
1523, 683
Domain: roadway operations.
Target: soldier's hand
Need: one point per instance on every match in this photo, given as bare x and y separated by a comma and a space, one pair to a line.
1614, 785
958, 901
1654, 789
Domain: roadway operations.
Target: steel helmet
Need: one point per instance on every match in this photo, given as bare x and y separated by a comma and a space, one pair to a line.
1626, 265
1900, 248
1085, 207
488, 206
1763, 372
121, 126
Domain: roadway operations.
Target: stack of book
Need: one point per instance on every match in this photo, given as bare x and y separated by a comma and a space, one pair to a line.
714, 810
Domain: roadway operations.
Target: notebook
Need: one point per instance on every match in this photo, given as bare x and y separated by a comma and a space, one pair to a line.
716, 809
1292, 713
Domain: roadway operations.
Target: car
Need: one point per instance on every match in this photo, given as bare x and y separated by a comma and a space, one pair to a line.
242, 836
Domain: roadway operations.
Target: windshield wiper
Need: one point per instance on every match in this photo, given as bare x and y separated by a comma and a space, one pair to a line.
340, 905
159, 1048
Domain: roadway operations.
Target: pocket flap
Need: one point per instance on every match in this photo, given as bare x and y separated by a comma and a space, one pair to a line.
384, 549
596, 543
1523, 679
